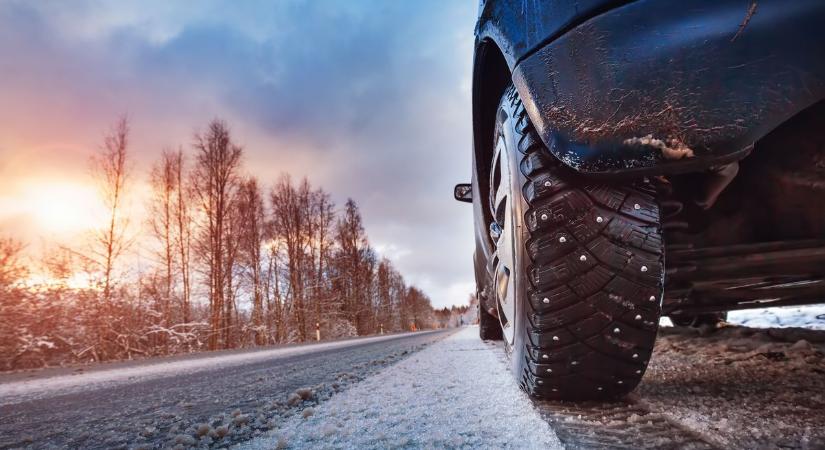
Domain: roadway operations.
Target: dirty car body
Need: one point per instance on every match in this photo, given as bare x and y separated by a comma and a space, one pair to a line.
715, 74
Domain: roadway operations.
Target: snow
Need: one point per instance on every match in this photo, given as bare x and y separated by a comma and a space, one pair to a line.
456, 393
17, 391
812, 317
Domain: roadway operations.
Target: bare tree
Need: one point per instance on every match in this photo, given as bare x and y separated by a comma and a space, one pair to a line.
272, 291
384, 293
163, 181
290, 226
110, 167
252, 235
214, 181
183, 236
321, 243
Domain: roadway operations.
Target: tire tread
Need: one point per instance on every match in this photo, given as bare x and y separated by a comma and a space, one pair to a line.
594, 282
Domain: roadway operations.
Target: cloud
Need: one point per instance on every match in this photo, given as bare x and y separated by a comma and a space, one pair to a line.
368, 99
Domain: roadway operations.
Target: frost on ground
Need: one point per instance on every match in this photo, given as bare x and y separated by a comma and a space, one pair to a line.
741, 387
454, 394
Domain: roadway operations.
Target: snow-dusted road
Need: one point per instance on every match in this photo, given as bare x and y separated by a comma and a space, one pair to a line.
214, 399
455, 394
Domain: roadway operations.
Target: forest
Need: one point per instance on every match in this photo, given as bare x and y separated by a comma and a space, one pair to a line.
234, 263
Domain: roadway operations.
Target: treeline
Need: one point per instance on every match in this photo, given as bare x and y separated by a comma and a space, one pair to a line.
235, 264
457, 316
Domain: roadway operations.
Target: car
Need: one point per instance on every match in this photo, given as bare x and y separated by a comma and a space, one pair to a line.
640, 159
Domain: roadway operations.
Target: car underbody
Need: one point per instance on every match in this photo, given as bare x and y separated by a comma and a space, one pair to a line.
759, 241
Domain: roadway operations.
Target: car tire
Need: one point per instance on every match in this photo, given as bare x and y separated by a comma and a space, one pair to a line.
581, 300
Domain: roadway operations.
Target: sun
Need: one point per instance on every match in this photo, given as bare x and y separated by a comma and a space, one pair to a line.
62, 207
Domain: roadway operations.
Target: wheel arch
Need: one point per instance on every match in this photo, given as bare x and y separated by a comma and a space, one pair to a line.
491, 76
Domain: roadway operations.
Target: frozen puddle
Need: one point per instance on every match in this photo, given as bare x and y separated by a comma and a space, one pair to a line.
455, 393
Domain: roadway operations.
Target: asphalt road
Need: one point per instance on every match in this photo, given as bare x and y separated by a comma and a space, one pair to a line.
227, 398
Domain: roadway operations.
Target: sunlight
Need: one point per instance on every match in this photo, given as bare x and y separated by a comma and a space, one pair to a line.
78, 281
62, 207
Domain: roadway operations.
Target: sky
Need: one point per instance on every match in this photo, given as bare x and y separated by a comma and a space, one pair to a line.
368, 99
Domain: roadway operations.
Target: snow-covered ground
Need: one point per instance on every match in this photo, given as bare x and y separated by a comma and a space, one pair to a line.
456, 393
812, 317
17, 391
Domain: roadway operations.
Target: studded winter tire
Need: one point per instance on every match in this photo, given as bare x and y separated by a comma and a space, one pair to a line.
578, 268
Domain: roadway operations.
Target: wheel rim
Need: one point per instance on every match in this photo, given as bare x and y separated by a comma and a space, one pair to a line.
502, 231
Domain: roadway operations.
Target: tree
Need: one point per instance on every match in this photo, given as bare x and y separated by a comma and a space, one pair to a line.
214, 182
384, 293
163, 181
354, 263
322, 219
110, 167
419, 309
183, 236
290, 225
251, 239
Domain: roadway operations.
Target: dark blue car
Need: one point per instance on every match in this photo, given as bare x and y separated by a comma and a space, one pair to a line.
639, 159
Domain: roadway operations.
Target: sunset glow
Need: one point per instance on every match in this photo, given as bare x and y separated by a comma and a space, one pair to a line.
80, 281
61, 208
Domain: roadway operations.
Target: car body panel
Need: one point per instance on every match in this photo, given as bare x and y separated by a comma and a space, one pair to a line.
710, 76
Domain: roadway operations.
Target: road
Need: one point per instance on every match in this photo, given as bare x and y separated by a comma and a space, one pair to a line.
231, 396
735, 388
